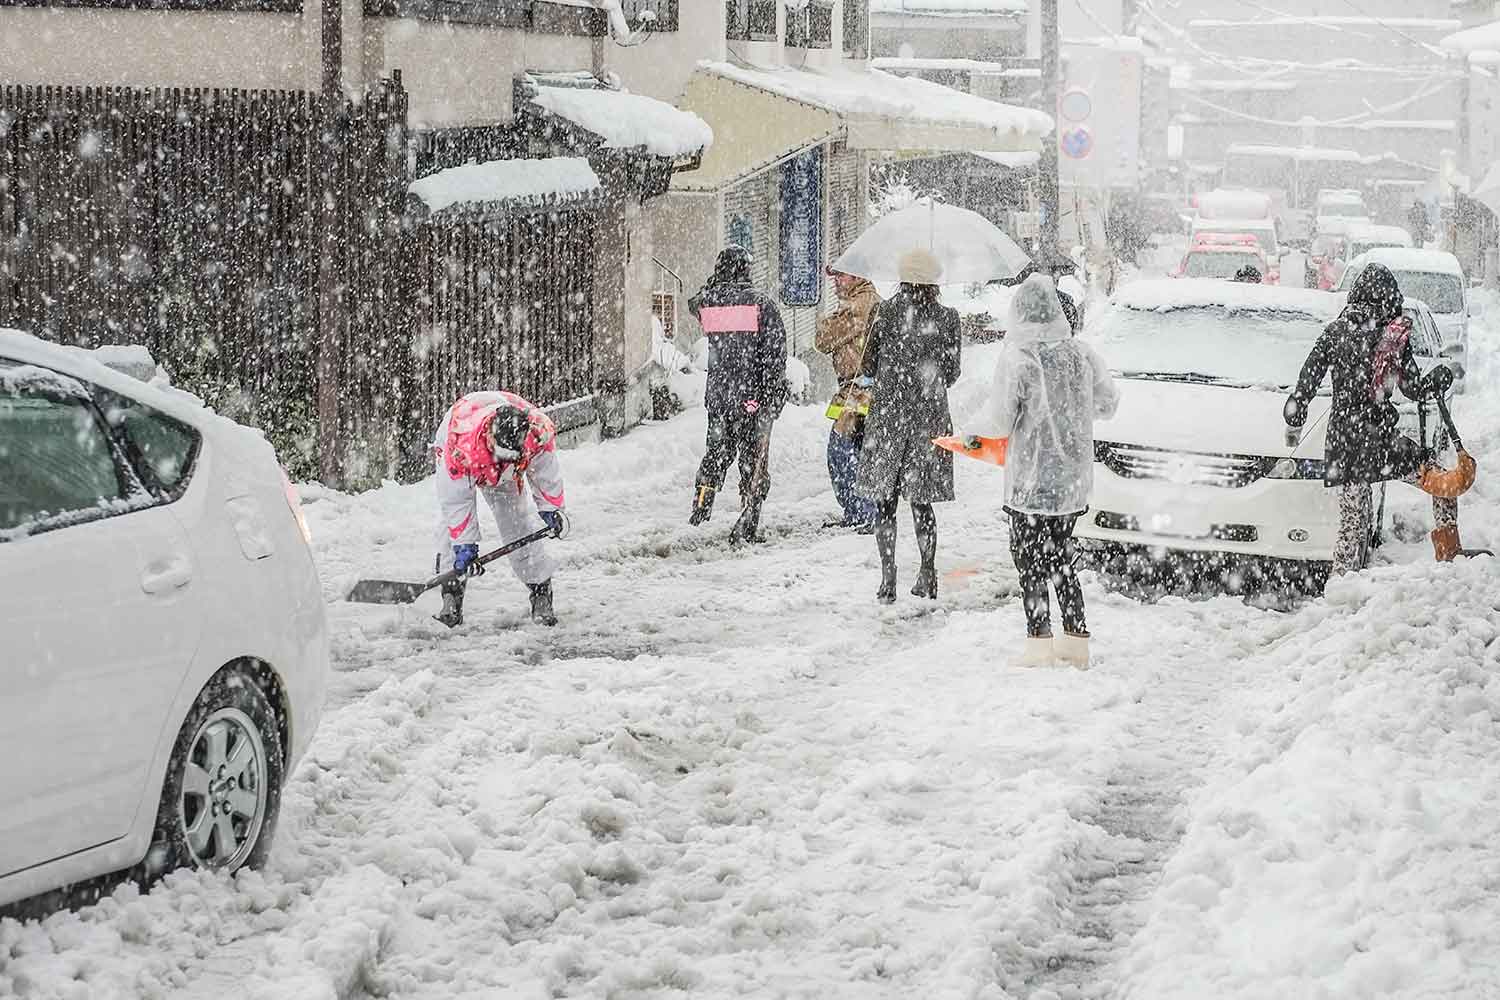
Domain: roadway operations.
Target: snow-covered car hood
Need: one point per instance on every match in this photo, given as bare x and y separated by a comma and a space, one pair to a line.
1208, 419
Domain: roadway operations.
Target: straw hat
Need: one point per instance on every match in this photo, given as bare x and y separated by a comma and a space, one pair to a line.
918, 267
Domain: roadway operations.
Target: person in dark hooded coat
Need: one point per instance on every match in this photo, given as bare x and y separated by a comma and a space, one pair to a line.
1368, 351
913, 356
746, 387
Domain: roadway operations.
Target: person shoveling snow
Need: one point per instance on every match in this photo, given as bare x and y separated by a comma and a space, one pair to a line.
497, 444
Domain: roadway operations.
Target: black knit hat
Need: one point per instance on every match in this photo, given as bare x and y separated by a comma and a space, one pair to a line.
733, 265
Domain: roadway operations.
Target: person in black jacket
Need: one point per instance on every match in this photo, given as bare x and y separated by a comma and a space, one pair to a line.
1369, 353
746, 387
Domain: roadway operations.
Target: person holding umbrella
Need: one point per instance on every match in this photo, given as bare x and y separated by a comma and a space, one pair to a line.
913, 355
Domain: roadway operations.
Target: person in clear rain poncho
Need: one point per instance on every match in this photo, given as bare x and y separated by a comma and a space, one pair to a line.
1049, 390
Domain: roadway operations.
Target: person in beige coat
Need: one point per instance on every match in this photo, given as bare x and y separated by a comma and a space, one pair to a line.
842, 335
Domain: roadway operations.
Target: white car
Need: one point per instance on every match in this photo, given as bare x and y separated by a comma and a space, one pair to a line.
1336, 211
1196, 460
165, 647
1433, 276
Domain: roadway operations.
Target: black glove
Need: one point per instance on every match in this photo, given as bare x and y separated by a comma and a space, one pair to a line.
1439, 381
554, 519
1294, 412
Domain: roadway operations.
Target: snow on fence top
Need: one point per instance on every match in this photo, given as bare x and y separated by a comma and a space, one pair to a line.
854, 92
948, 8
629, 121
1484, 38
563, 177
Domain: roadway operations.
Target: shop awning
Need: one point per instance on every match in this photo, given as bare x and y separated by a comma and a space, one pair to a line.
762, 115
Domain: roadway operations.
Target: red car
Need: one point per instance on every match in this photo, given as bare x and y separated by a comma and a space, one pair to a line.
1222, 255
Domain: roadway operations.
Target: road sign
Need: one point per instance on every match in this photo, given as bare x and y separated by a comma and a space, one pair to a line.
1077, 143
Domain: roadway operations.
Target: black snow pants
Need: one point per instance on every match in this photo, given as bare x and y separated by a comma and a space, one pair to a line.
1042, 547
748, 437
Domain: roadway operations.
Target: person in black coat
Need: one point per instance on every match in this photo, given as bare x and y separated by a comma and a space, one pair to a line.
746, 387
913, 356
1368, 351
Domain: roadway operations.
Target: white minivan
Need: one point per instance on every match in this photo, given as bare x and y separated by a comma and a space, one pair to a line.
165, 648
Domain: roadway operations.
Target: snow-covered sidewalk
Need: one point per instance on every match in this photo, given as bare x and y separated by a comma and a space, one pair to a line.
733, 774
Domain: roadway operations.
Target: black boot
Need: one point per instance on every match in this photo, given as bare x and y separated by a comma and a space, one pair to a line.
541, 604
703, 504
452, 614
747, 528
926, 586
885, 541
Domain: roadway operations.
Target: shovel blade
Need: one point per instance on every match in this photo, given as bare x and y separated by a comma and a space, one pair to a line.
385, 592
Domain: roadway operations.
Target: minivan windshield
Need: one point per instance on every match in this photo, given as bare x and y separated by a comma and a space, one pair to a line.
1443, 293
1261, 347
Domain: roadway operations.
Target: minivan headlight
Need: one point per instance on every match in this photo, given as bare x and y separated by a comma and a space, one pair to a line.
1296, 468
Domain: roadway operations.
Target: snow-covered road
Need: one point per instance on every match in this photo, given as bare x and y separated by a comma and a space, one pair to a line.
733, 774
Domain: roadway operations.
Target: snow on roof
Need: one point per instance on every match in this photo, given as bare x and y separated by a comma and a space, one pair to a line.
1393, 236
1164, 294
1410, 259
1484, 38
1303, 154
507, 180
628, 121
1016, 161
890, 63
1411, 23
949, 8
854, 92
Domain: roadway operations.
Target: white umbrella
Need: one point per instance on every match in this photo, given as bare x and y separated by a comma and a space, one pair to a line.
969, 247
1488, 191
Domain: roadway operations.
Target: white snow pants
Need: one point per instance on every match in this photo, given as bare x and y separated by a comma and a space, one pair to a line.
515, 517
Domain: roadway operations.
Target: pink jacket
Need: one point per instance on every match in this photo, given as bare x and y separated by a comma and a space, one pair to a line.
465, 462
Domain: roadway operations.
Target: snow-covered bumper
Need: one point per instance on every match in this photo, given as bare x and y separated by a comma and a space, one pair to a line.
1177, 502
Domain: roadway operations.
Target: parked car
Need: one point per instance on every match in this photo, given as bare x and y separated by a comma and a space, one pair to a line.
1264, 231
1337, 210
1195, 461
166, 649
1220, 255
1434, 277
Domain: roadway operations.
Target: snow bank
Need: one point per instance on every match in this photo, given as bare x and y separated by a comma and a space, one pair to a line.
629, 121
1348, 849
507, 180
872, 92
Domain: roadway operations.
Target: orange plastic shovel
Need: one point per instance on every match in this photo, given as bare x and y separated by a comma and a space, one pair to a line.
991, 450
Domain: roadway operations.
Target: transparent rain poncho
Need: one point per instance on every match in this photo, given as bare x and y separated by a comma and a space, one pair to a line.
1049, 389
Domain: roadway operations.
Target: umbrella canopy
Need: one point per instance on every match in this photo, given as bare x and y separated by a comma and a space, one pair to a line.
969, 247
1488, 191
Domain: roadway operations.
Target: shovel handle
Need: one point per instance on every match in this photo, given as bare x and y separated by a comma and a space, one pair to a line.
1442, 406
491, 556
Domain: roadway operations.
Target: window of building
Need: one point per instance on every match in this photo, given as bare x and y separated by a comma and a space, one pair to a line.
659, 15
811, 27
856, 15
750, 20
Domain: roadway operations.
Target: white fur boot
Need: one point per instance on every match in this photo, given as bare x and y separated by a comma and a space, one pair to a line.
1072, 650
1035, 653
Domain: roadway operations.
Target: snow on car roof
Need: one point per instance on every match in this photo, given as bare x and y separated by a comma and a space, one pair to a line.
1166, 294
17, 345
1370, 233
1411, 259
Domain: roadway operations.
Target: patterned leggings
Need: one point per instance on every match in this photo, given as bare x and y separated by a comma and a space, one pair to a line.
1357, 522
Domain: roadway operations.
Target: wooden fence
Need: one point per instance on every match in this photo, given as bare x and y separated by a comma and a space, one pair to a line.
190, 221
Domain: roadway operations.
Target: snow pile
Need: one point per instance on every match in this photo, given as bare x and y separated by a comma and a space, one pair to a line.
628, 121
507, 180
1349, 848
904, 99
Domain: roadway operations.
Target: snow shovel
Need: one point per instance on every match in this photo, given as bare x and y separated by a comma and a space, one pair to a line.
991, 450
398, 592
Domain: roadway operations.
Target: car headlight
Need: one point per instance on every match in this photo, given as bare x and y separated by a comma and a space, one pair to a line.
1297, 468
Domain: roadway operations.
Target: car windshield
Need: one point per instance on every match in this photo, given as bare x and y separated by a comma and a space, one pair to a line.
1342, 210
1443, 293
1218, 263
1208, 343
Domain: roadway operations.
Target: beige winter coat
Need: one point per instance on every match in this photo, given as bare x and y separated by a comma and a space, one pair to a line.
842, 332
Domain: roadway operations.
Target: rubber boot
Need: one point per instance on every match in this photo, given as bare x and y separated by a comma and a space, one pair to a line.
541, 604
1038, 651
927, 586
452, 614
885, 541
1445, 543
747, 528
703, 504
1072, 650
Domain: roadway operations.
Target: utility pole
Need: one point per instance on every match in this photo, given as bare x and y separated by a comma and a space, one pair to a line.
327, 148
1047, 170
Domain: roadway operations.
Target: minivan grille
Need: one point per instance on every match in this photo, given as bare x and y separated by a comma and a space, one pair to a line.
1224, 471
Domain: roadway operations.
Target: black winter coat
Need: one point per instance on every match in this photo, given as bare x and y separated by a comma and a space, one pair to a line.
1363, 443
913, 353
746, 346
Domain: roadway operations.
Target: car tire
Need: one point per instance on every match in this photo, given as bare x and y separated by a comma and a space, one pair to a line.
222, 793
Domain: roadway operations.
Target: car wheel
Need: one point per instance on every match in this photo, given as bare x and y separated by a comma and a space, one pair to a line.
222, 793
